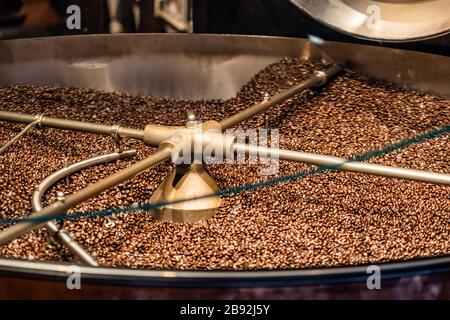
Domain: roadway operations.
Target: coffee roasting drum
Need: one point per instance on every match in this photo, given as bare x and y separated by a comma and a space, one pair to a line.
98, 110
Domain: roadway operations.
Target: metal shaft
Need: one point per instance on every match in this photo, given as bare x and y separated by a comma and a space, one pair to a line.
86, 193
61, 234
336, 163
317, 79
66, 124
19, 135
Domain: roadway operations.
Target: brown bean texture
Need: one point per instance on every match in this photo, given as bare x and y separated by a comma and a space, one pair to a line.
328, 219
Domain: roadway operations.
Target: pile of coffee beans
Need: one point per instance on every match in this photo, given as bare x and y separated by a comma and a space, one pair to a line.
328, 219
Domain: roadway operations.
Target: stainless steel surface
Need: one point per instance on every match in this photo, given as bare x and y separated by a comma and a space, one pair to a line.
382, 19
196, 66
60, 233
86, 193
182, 66
408, 69
317, 79
343, 164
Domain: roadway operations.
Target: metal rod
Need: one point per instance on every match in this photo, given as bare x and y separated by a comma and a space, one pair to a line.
317, 79
86, 193
60, 233
67, 124
343, 164
19, 135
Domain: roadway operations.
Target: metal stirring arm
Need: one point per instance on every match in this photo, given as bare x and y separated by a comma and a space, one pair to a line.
60, 233
336, 163
66, 124
317, 79
84, 194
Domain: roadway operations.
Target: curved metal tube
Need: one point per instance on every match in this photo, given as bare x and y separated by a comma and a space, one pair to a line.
86, 193
19, 135
336, 163
59, 233
319, 78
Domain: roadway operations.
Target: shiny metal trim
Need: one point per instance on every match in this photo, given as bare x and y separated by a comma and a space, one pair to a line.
201, 278
387, 20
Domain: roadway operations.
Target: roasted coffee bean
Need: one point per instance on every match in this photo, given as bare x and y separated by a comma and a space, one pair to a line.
329, 219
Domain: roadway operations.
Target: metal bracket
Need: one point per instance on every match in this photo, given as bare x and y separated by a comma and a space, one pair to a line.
39, 117
322, 76
115, 134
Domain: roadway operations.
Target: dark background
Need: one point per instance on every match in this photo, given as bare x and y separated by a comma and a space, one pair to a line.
30, 18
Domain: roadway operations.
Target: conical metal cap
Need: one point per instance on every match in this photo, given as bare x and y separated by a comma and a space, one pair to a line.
184, 182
